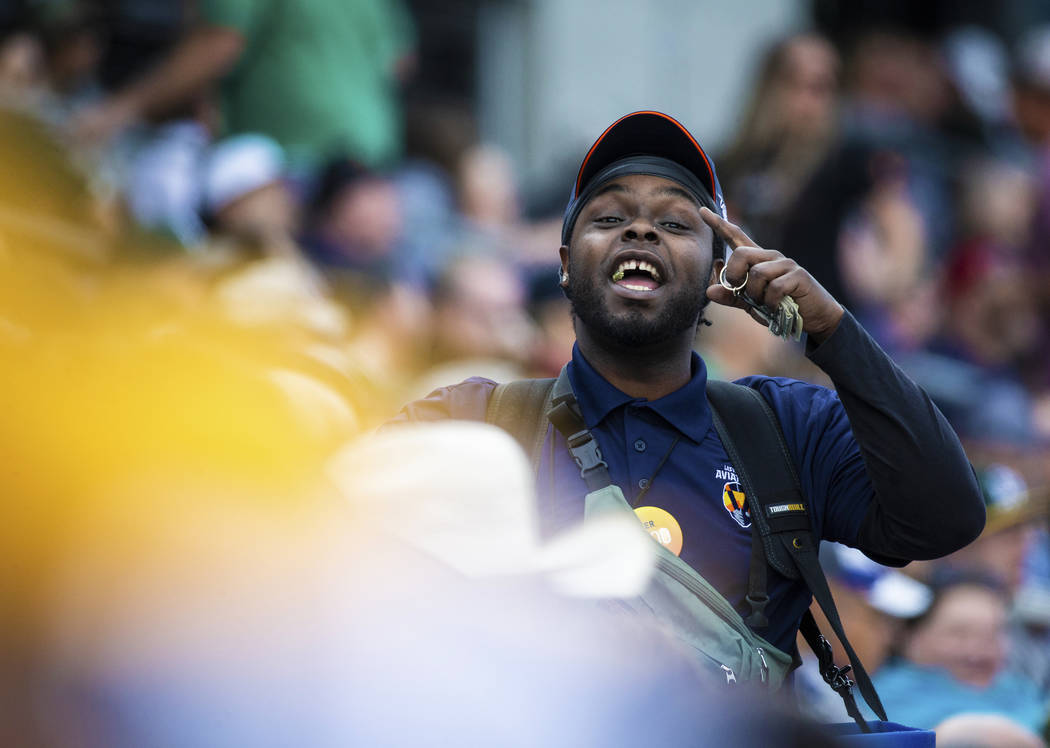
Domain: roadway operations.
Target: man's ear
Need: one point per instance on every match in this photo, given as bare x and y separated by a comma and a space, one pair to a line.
563, 251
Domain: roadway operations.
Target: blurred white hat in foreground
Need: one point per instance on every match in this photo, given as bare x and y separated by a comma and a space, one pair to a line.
464, 493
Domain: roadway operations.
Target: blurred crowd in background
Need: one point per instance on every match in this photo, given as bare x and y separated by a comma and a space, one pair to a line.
196, 192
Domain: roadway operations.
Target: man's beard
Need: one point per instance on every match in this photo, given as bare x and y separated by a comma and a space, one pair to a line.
680, 312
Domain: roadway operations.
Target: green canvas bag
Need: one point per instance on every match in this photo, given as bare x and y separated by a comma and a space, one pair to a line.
685, 603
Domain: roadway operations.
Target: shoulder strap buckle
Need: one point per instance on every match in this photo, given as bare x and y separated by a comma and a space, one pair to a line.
586, 453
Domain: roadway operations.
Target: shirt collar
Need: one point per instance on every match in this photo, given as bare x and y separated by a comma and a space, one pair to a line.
685, 409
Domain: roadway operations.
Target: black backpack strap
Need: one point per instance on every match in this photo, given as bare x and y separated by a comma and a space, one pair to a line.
833, 675
779, 516
520, 408
767, 472
523, 409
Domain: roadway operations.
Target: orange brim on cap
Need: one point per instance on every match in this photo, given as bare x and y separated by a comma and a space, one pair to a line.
653, 134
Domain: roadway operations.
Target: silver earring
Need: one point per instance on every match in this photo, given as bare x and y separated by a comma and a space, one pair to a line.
563, 276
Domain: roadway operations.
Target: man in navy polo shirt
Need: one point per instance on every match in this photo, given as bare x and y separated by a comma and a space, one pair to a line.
644, 240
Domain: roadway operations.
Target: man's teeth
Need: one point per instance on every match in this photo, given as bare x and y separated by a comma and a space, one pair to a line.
635, 265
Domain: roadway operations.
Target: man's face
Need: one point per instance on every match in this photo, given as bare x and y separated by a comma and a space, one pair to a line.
648, 229
965, 634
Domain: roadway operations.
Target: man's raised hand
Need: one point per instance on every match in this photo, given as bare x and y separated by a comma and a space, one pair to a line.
770, 276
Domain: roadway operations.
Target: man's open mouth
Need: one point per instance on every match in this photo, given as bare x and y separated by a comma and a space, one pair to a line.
637, 275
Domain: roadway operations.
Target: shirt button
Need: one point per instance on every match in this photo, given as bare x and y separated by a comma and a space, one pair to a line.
639, 445
643, 483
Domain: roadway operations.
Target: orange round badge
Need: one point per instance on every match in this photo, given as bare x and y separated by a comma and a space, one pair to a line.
662, 526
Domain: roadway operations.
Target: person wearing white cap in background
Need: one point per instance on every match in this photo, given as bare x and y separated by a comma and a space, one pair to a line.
244, 194
253, 215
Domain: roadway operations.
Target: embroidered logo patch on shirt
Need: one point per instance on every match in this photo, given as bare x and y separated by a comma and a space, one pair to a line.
735, 502
733, 498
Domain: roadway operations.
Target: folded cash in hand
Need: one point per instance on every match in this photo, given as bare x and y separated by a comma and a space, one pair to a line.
784, 322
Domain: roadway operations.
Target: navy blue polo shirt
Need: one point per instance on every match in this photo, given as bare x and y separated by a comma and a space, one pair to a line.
928, 505
635, 436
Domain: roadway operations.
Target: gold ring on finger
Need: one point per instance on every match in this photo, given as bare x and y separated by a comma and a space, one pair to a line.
729, 286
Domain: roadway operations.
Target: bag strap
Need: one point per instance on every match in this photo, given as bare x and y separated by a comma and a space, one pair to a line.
523, 409
778, 511
520, 408
567, 417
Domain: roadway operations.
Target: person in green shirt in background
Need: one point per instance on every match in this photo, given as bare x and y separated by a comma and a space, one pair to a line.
319, 76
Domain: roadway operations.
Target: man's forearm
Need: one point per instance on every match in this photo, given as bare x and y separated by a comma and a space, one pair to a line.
200, 59
927, 502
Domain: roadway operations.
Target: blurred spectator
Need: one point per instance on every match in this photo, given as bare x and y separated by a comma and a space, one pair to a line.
490, 208
985, 409
162, 182
1031, 98
552, 315
354, 234
49, 56
1032, 111
1004, 550
883, 260
430, 221
149, 173
354, 230
479, 309
488, 196
784, 133
997, 203
480, 324
897, 85
253, 217
244, 195
72, 36
985, 731
1031, 86
992, 310
21, 55
979, 65
338, 92
896, 94
934, 265
356, 218
953, 660
992, 326
1012, 513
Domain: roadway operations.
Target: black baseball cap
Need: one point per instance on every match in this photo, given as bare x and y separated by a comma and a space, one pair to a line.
646, 134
